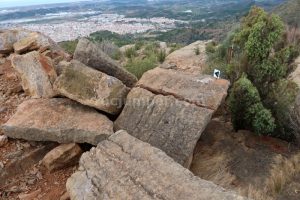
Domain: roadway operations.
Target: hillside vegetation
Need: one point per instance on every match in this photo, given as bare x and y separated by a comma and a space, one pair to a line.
290, 12
257, 57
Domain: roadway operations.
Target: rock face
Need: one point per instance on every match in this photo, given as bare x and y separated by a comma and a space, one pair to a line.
91, 87
201, 90
91, 55
59, 120
37, 74
123, 167
62, 156
33, 41
169, 124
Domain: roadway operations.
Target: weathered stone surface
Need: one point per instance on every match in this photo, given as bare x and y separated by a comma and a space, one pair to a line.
59, 120
62, 156
169, 124
91, 54
9, 37
202, 90
37, 74
91, 87
124, 167
185, 59
32, 42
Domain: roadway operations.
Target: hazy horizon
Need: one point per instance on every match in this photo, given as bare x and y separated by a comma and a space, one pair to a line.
16, 3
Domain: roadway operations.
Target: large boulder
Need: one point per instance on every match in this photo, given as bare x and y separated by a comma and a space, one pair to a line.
201, 90
59, 120
37, 73
172, 125
33, 41
186, 59
9, 37
91, 54
124, 167
91, 87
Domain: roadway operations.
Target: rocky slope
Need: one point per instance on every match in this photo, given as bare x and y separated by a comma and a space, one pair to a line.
66, 101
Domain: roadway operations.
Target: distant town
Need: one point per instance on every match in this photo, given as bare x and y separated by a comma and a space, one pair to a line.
82, 27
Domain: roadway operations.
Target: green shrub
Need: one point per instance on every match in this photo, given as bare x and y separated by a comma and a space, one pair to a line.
262, 121
197, 51
69, 46
161, 56
139, 66
130, 52
210, 48
247, 109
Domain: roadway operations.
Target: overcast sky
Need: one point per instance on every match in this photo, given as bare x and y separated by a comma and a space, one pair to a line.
12, 3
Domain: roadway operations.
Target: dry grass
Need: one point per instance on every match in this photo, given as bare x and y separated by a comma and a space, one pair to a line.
282, 173
215, 169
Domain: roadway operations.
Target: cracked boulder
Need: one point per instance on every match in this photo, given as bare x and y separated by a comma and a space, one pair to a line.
170, 109
91, 55
91, 87
124, 167
201, 90
163, 121
59, 120
37, 73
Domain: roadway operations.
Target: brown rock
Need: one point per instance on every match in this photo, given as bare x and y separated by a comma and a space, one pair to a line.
163, 121
37, 74
58, 120
91, 55
201, 90
28, 43
3, 140
30, 196
124, 167
65, 196
62, 156
9, 37
91, 87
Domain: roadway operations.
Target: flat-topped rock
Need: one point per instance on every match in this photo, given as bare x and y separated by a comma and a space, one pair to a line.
37, 73
91, 55
201, 90
186, 59
124, 167
91, 87
59, 120
163, 121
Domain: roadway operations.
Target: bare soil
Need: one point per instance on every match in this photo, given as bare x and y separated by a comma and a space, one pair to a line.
35, 178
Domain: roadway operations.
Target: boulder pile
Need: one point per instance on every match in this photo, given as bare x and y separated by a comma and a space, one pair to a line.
88, 98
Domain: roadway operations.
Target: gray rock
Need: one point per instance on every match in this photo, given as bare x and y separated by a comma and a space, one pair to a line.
123, 168
91, 55
37, 73
58, 120
91, 87
201, 90
163, 121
